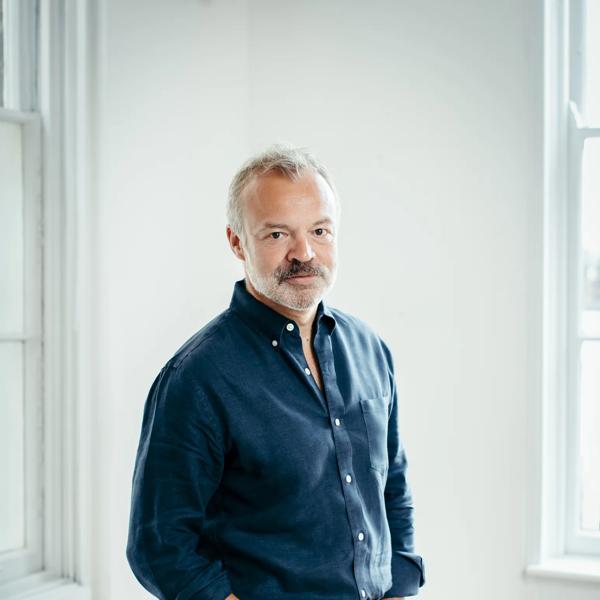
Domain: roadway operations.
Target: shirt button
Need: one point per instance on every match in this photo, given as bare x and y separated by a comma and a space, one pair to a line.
337, 422
307, 370
363, 593
361, 536
290, 327
348, 478
274, 342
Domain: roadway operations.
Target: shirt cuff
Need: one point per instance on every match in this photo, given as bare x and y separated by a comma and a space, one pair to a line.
408, 575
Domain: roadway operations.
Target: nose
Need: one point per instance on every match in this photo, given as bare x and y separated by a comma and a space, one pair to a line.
301, 250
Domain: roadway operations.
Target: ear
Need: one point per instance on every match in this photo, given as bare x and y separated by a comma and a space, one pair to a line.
235, 243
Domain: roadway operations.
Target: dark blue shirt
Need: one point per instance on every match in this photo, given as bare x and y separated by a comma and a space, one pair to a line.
250, 479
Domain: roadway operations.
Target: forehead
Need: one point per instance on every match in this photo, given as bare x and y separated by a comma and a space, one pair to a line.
275, 196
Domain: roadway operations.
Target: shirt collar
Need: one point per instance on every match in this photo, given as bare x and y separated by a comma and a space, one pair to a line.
265, 319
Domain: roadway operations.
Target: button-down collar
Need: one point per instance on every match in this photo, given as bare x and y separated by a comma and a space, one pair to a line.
265, 319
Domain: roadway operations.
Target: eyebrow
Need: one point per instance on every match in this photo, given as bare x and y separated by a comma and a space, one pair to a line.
325, 221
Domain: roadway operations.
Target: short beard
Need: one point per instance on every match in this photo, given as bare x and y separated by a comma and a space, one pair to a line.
295, 298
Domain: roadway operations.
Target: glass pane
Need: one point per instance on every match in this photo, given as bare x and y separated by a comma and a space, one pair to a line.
590, 237
11, 228
592, 62
12, 498
590, 323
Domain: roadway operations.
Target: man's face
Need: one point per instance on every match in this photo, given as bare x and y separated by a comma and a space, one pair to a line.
290, 248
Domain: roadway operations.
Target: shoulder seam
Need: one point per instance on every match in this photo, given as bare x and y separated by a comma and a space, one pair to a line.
176, 363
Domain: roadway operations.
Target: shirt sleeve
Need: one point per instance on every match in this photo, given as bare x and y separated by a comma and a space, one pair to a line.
178, 468
408, 573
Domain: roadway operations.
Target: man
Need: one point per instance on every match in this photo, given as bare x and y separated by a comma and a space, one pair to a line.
270, 465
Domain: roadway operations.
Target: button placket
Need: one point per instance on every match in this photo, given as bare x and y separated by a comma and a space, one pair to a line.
291, 346
343, 451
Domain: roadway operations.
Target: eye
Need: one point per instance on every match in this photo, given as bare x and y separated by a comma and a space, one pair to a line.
275, 234
323, 232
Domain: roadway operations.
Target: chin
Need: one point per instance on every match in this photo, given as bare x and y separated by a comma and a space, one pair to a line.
302, 301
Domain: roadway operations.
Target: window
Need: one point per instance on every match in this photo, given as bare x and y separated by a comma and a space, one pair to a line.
564, 530
565, 527
583, 283
20, 308
44, 327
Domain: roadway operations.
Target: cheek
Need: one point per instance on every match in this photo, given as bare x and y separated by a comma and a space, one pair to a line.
267, 259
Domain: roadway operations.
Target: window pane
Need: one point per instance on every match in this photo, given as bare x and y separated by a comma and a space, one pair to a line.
12, 509
590, 436
590, 235
11, 228
592, 62
590, 323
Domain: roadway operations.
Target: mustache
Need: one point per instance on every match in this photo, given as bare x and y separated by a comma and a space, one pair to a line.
298, 269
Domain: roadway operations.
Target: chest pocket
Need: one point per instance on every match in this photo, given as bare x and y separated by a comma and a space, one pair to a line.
375, 415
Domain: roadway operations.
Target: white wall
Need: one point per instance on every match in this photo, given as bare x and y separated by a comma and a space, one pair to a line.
429, 116
172, 128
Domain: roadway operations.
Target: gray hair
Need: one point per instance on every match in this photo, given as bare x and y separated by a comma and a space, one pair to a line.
287, 160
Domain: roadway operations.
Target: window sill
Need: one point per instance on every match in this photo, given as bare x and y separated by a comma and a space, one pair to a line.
42, 586
572, 568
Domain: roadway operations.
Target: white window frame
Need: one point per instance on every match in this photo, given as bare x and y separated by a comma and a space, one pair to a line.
61, 92
556, 550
